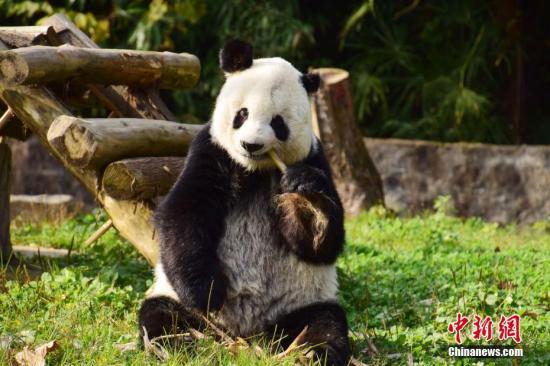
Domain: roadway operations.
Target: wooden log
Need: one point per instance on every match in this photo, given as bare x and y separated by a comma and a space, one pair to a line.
16, 37
99, 232
5, 166
40, 208
94, 143
141, 178
40, 64
356, 178
26, 251
132, 219
135, 103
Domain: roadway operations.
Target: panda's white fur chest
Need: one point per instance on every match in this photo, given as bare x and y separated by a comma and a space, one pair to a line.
265, 279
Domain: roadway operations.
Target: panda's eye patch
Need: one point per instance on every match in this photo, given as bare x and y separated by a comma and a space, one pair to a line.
240, 117
280, 128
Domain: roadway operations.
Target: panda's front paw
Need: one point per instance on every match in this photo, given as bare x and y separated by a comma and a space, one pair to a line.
302, 178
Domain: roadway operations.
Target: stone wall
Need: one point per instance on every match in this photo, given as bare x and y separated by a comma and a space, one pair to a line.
498, 183
36, 171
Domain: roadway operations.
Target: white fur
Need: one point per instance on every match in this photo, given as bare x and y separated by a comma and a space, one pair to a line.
265, 279
270, 87
162, 286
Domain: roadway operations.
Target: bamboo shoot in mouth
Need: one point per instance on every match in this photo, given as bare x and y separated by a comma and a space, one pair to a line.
277, 160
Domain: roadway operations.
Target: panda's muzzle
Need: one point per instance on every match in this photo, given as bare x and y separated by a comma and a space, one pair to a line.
251, 148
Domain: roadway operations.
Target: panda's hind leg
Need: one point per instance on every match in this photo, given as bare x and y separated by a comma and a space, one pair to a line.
162, 315
327, 331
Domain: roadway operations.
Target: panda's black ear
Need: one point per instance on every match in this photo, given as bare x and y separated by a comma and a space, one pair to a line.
311, 82
236, 55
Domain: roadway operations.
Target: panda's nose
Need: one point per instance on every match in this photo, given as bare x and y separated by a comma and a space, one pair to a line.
251, 148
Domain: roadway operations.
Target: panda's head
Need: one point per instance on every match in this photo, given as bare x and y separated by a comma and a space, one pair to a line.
263, 105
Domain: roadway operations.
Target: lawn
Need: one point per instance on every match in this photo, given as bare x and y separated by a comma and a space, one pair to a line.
403, 280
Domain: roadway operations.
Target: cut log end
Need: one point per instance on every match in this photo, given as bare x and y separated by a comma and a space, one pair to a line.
13, 68
331, 75
71, 140
141, 178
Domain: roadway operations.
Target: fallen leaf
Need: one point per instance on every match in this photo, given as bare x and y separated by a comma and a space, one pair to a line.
37, 357
126, 347
355, 362
196, 334
5, 342
530, 314
505, 285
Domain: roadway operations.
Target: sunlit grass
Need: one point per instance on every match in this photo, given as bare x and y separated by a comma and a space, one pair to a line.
402, 281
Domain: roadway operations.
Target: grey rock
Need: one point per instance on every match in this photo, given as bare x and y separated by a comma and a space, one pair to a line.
497, 183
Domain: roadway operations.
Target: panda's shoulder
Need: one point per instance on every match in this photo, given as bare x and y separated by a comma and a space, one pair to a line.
316, 156
203, 145
203, 140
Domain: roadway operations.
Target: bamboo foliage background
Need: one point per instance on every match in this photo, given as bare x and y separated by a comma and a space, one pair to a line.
457, 70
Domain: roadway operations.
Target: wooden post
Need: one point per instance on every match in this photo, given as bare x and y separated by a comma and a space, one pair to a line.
5, 167
357, 180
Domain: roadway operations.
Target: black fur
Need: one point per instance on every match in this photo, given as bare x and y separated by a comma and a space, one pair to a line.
162, 315
280, 128
240, 117
236, 55
313, 177
311, 82
190, 222
327, 331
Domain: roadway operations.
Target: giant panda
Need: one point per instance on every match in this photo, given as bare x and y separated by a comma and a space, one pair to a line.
240, 240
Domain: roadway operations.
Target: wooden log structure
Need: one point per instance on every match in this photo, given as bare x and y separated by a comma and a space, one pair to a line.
40, 64
121, 100
356, 178
141, 178
26, 36
94, 143
37, 108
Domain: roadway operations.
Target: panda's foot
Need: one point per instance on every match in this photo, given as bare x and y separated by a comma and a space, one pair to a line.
327, 331
160, 316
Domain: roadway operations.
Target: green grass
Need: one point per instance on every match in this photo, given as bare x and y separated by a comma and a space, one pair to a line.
402, 281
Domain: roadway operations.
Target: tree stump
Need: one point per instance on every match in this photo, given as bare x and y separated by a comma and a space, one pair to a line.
5, 167
356, 178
